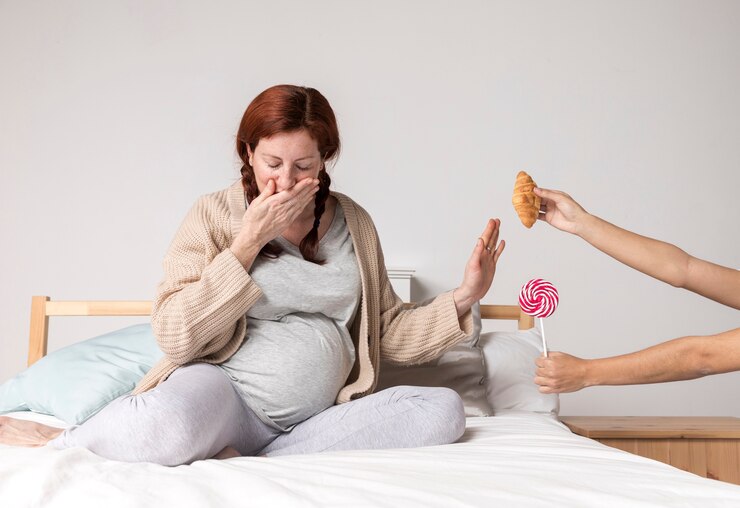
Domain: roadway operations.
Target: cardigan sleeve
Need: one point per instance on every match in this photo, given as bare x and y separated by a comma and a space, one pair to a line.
205, 289
419, 334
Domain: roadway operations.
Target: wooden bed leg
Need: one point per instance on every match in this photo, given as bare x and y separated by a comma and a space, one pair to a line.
39, 337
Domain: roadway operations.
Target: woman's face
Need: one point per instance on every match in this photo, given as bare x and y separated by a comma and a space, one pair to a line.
287, 158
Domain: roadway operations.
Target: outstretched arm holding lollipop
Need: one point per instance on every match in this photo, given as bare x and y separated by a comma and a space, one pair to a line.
679, 359
674, 360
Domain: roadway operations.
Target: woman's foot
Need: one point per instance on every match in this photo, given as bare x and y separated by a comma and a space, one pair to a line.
17, 432
227, 453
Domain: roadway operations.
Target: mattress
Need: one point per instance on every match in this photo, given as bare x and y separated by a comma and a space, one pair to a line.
513, 459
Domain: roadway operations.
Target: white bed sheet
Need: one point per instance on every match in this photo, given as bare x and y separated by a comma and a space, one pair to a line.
515, 459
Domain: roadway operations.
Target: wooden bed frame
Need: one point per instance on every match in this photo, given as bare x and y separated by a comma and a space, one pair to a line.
42, 307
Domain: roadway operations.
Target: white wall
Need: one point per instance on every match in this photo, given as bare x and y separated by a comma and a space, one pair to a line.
115, 116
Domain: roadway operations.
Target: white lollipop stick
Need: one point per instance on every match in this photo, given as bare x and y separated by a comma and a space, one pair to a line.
544, 342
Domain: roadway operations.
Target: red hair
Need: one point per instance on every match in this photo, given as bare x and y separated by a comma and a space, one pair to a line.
289, 108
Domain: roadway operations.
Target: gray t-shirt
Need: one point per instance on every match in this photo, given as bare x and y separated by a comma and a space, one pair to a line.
298, 351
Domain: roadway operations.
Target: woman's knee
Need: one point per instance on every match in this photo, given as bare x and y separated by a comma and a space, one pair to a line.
444, 413
145, 431
169, 425
451, 410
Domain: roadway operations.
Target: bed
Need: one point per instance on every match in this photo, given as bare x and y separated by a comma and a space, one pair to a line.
515, 458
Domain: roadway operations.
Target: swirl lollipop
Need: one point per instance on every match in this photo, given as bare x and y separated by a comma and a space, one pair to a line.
539, 298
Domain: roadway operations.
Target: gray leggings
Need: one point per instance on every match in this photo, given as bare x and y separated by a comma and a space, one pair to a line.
197, 412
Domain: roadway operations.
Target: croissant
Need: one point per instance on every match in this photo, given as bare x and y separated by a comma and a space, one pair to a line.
526, 203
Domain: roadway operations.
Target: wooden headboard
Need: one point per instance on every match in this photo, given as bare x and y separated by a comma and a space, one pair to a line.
42, 307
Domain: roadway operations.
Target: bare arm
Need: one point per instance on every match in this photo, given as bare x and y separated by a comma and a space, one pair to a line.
661, 260
675, 360
664, 261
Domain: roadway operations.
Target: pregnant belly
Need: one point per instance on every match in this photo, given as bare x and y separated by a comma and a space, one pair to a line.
294, 369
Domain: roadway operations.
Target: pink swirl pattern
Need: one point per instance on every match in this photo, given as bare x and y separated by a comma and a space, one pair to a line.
538, 298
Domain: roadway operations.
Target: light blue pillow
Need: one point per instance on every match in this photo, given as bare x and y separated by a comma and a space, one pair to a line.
75, 382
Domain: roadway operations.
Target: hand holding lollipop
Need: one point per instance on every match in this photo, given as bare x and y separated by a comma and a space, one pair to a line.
539, 298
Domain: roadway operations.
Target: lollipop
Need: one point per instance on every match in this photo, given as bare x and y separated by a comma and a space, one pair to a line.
539, 298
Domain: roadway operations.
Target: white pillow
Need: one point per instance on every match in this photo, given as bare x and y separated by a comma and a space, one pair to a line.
509, 358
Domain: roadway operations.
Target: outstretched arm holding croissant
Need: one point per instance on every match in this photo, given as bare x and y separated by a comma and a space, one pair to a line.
661, 260
679, 359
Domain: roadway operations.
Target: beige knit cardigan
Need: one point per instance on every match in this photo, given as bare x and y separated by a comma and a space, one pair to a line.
199, 311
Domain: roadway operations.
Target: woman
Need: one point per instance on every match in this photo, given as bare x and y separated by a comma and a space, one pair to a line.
675, 360
274, 312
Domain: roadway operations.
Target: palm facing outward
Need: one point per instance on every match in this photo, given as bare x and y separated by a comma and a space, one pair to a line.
481, 267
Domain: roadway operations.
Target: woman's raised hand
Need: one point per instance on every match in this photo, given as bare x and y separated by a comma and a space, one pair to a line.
480, 269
